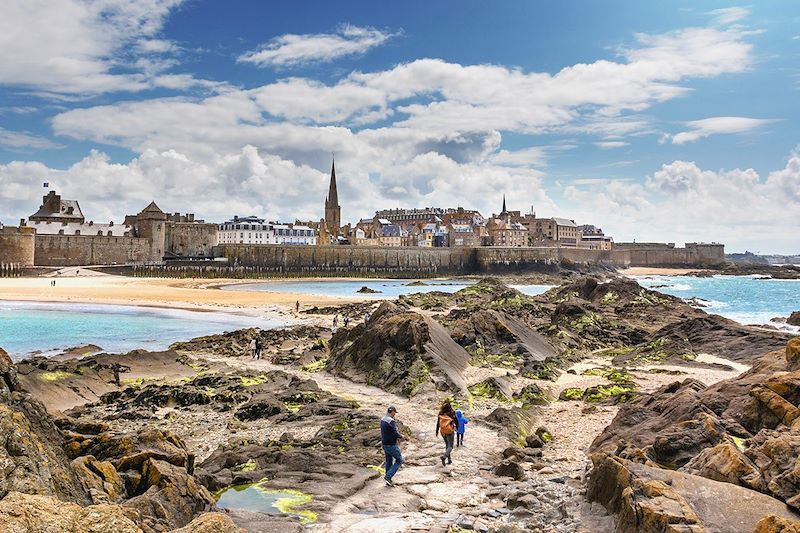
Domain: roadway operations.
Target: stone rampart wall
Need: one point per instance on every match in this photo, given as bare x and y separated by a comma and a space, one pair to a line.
16, 248
351, 260
78, 250
187, 239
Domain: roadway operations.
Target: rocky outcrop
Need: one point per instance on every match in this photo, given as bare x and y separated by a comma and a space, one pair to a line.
794, 319
793, 354
744, 431
276, 343
715, 335
64, 384
403, 352
42, 514
654, 500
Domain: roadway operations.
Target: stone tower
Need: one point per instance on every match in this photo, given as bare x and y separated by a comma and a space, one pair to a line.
333, 211
151, 224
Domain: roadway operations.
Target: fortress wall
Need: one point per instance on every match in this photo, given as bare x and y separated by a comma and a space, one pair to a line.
78, 250
189, 239
16, 248
351, 259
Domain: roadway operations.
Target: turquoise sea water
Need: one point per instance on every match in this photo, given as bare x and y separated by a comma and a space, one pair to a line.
26, 327
389, 288
746, 299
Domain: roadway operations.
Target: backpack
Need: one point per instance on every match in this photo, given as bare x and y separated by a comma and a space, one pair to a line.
445, 425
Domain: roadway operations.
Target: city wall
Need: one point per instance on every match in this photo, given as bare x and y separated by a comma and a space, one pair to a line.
16, 250
351, 260
189, 239
79, 250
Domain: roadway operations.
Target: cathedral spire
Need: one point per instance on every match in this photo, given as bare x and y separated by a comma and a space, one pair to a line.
333, 197
504, 204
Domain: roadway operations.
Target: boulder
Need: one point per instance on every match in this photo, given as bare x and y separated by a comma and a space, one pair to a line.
776, 453
793, 354
725, 462
509, 469
515, 423
100, 479
211, 523
33, 513
654, 500
776, 524
170, 498
794, 319
402, 352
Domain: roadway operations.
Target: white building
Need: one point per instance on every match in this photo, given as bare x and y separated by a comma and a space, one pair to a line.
80, 228
254, 230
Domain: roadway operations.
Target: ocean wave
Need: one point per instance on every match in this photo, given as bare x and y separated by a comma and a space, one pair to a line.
680, 287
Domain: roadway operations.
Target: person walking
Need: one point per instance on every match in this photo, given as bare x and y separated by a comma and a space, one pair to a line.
297, 306
258, 348
253, 346
335, 323
461, 422
389, 437
346, 320
446, 425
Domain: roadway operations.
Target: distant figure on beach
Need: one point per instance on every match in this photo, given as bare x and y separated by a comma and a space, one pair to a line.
346, 320
259, 347
297, 306
253, 347
446, 425
391, 450
461, 422
335, 322
367, 316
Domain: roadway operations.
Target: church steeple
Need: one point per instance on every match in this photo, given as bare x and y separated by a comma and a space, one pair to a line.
333, 212
333, 196
504, 205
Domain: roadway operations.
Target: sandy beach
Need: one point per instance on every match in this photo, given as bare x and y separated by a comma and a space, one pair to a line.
654, 271
156, 292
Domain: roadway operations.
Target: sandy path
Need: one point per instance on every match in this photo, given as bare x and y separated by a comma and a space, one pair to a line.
445, 492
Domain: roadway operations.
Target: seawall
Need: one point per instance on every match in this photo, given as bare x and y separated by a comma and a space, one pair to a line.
263, 261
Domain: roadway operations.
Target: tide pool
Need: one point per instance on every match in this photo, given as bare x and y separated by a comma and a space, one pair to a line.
26, 327
389, 288
746, 299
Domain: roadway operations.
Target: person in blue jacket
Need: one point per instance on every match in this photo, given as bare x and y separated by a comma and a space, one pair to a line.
391, 450
461, 422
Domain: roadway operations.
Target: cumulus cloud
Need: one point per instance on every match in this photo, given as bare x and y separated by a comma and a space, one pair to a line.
82, 47
682, 202
716, 125
293, 50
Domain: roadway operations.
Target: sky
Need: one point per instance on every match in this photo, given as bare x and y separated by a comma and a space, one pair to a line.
657, 121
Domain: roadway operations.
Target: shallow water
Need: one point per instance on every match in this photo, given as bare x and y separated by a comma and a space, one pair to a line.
746, 299
389, 288
253, 497
26, 327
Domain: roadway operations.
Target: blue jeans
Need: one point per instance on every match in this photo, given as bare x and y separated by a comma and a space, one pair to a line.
393, 459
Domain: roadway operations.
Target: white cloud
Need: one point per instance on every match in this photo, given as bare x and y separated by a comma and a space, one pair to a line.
83, 47
292, 50
716, 125
683, 203
729, 15
25, 141
606, 145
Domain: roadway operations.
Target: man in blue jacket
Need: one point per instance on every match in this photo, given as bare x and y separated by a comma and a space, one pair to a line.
389, 436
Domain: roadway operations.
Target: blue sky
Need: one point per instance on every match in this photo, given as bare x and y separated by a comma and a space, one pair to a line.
670, 121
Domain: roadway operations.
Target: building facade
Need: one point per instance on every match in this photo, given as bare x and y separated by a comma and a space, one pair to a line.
254, 230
